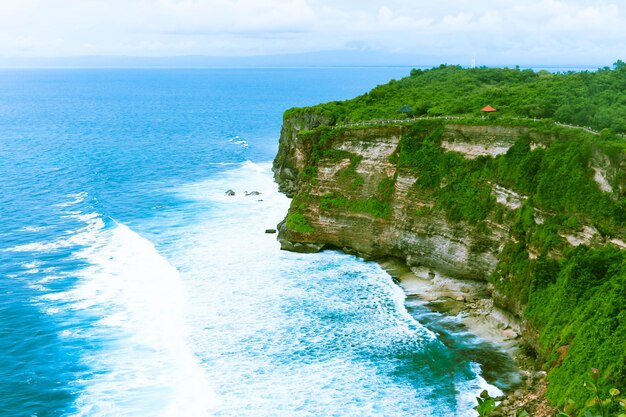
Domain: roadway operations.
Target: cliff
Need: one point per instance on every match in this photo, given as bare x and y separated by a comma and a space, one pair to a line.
536, 210
294, 155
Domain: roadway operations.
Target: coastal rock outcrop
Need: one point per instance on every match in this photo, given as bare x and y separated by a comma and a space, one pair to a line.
359, 163
294, 153
536, 212
352, 192
528, 201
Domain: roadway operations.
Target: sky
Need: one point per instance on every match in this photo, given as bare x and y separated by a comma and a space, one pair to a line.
550, 32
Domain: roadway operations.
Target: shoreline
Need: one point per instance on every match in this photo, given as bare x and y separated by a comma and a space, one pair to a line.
471, 302
468, 300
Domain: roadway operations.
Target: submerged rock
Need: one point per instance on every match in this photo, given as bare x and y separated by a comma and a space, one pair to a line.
301, 247
229, 193
252, 193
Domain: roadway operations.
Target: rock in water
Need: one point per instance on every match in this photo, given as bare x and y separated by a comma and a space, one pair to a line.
252, 193
230, 193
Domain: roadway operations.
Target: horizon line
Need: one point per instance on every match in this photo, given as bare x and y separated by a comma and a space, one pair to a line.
286, 66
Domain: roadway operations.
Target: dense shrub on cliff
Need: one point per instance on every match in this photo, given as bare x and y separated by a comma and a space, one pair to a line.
557, 180
596, 99
583, 320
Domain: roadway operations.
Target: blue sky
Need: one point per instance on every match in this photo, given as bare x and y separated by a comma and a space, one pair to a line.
551, 32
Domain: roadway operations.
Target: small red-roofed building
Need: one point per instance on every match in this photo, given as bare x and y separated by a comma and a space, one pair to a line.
488, 109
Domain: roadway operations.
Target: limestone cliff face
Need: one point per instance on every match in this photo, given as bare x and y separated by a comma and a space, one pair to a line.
536, 211
353, 195
409, 230
475, 141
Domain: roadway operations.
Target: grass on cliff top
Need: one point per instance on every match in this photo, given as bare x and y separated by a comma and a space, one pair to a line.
595, 99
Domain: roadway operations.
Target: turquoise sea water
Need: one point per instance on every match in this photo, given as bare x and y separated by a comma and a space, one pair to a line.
130, 285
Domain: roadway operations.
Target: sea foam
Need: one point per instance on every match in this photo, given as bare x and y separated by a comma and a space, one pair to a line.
138, 306
127, 307
286, 334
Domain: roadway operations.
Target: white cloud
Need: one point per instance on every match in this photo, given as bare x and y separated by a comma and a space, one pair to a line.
557, 29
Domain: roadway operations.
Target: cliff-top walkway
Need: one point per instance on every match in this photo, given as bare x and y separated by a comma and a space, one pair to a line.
409, 120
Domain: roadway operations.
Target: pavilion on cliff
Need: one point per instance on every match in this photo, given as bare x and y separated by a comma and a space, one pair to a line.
406, 110
488, 109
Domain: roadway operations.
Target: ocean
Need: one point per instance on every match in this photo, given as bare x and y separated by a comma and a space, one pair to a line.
131, 285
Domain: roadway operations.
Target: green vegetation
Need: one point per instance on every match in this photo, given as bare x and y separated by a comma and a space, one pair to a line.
575, 299
296, 220
596, 99
378, 205
555, 180
298, 223
457, 185
604, 400
582, 319
348, 173
485, 406
370, 205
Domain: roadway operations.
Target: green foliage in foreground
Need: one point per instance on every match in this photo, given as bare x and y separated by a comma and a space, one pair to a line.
485, 406
582, 320
596, 99
603, 401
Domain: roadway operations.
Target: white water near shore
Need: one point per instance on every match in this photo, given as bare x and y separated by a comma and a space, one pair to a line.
286, 334
217, 321
185, 301
128, 310
141, 304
